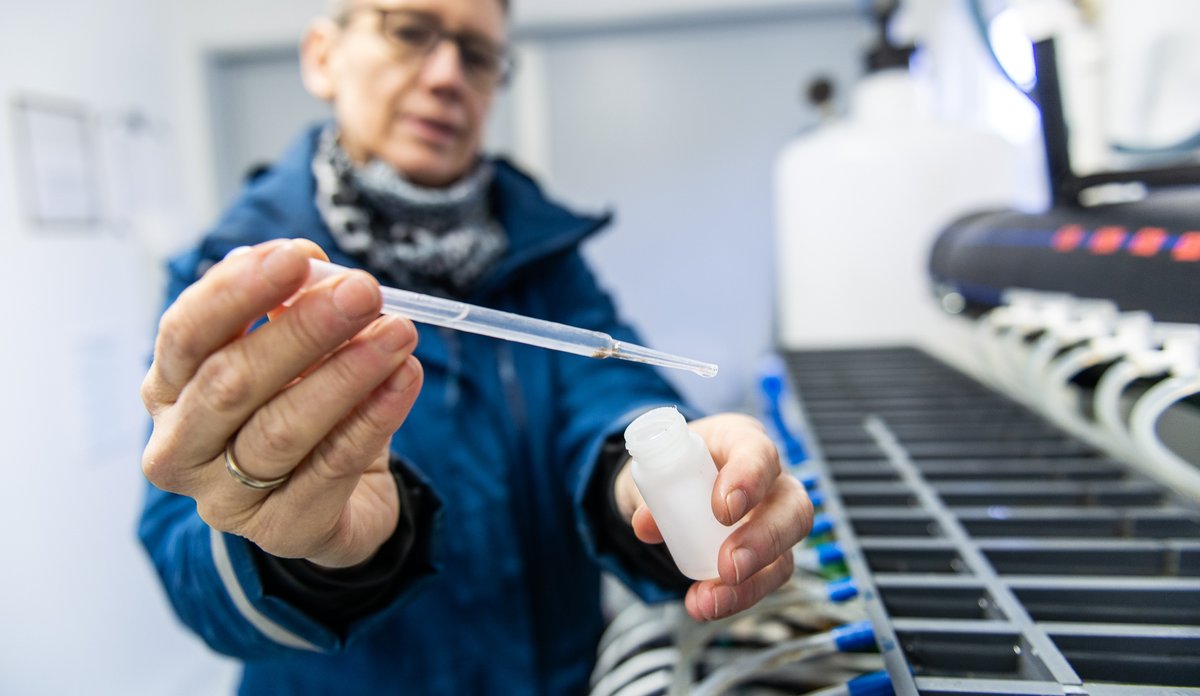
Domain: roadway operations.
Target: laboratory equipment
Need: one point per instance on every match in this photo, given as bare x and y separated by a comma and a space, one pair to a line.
858, 200
485, 321
994, 553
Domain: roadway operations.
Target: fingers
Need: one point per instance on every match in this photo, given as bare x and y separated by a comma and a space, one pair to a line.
314, 395
237, 380
217, 309
771, 530
644, 526
715, 599
291, 425
329, 531
324, 431
749, 465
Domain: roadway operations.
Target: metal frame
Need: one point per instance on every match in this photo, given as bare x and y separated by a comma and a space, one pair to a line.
996, 554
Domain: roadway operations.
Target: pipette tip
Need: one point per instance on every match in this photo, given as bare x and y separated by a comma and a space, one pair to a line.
636, 353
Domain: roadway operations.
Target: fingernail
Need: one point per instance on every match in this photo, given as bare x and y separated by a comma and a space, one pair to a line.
390, 335
402, 378
354, 297
280, 266
743, 561
735, 504
724, 599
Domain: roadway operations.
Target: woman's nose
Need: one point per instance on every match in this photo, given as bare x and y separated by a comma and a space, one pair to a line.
443, 66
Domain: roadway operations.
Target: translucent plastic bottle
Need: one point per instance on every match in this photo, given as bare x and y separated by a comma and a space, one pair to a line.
676, 474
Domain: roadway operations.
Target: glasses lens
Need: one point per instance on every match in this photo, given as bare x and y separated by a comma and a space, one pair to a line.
484, 64
413, 35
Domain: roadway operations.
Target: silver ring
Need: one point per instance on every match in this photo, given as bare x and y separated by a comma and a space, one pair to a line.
245, 479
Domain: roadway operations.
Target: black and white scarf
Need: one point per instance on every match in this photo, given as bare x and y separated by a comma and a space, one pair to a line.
436, 241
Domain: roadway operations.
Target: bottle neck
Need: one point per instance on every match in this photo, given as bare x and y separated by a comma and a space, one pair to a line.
656, 435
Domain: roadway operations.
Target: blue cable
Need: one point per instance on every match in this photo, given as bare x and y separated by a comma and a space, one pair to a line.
873, 684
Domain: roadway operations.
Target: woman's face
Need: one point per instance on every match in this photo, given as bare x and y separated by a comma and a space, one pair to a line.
399, 93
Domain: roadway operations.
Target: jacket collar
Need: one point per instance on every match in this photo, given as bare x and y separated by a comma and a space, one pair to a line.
282, 203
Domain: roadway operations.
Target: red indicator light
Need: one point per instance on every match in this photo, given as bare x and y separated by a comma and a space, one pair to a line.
1107, 240
1067, 238
1187, 248
1148, 241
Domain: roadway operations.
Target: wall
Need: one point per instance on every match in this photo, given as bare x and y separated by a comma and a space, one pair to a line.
675, 128
81, 610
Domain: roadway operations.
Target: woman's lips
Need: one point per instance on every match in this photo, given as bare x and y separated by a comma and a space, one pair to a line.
433, 130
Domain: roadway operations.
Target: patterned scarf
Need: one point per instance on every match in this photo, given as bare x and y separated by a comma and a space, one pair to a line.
436, 241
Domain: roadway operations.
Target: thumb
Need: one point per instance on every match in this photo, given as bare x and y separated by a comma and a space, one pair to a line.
644, 526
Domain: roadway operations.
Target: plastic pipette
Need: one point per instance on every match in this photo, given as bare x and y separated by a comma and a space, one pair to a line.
461, 316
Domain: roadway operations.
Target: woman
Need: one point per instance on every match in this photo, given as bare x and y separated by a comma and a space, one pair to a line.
316, 519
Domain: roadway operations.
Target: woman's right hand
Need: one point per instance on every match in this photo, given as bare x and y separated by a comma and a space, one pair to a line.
314, 395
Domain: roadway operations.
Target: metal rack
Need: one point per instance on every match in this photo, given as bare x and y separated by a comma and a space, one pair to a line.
996, 554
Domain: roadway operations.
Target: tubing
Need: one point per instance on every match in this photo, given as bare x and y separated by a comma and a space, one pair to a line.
842, 639
1170, 467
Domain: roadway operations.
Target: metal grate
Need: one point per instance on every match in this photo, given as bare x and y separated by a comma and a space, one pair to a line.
996, 554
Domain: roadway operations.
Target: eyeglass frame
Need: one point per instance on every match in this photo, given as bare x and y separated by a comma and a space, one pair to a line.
501, 52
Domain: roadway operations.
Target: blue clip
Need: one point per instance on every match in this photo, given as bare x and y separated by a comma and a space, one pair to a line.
822, 525
830, 553
773, 386
873, 684
841, 590
855, 636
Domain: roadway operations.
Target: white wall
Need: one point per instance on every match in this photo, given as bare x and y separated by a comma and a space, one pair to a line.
675, 128
81, 610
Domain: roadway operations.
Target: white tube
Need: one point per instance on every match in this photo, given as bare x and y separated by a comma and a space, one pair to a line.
635, 615
1107, 405
1062, 401
1166, 464
1038, 359
782, 654
637, 666
696, 637
629, 641
981, 337
653, 683
1058, 376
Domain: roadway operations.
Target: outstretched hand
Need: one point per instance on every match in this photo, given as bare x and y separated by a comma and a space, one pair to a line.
756, 559
312, 399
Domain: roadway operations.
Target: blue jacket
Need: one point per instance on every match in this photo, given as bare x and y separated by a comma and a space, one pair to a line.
506, 435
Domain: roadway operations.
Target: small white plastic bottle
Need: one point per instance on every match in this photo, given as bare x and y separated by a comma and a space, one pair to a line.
676, 474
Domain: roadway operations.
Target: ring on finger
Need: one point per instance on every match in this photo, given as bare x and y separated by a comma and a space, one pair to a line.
245, 479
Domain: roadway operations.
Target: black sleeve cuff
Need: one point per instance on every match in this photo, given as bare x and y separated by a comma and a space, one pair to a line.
339, 597
615, 536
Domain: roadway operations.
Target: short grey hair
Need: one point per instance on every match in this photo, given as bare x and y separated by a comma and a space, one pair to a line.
338, 9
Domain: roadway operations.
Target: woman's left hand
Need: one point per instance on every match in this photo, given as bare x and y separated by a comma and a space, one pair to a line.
756, 559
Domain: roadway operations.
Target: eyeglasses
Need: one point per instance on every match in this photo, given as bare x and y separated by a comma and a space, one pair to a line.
416, 35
